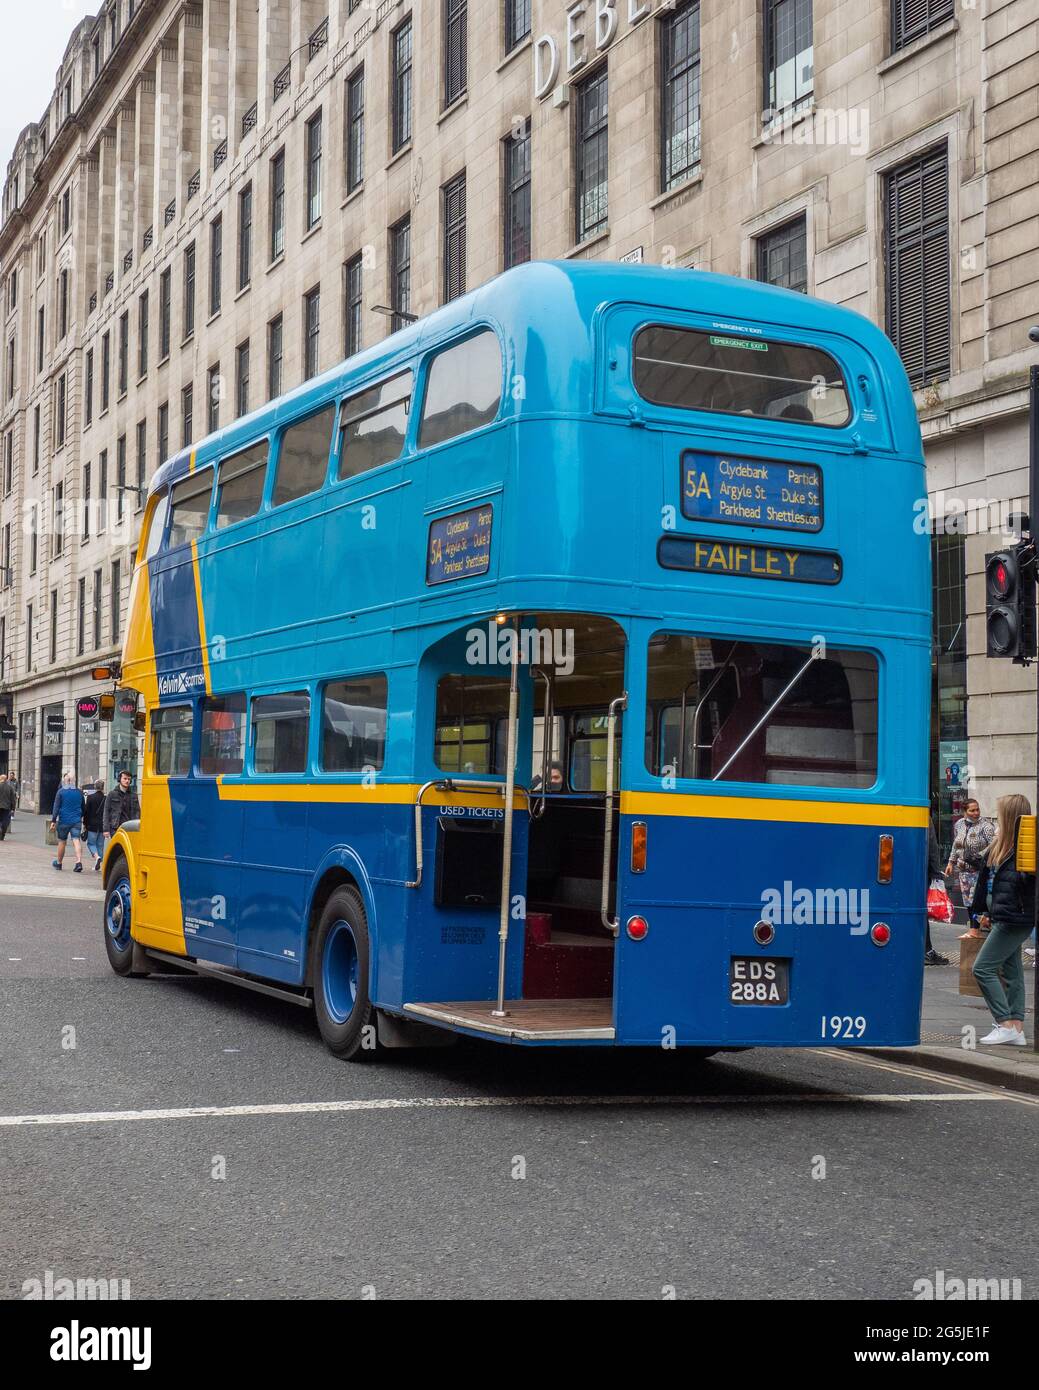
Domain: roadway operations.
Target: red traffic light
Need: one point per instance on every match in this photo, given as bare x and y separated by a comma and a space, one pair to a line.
1002, 574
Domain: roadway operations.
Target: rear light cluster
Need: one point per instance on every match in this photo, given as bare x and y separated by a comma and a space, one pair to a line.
637, 928
880, 934
764, 932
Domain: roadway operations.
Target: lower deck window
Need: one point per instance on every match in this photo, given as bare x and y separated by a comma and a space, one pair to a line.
353, 725
171, 741
281, 725
772, 712
472, 716
222, 747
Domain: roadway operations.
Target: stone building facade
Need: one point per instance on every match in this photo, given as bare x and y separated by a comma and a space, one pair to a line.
223, 198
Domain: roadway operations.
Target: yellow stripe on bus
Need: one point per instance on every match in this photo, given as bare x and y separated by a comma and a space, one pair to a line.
769, 809
374, 794
201, 617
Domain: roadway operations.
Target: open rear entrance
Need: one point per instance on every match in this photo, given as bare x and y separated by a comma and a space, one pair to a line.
570, 672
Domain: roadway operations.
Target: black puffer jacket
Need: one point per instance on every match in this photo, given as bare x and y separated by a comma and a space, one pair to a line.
1013, 896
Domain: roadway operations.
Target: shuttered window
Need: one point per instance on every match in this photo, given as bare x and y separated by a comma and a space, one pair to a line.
456, 22
454, 238
918, 293
911, 19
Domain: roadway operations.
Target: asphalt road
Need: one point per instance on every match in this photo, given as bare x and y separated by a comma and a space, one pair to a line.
592, 1174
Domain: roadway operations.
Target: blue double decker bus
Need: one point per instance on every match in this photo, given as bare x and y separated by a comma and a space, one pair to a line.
555, 671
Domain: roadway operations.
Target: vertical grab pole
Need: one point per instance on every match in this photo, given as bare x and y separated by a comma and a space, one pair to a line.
621, 702
506, 849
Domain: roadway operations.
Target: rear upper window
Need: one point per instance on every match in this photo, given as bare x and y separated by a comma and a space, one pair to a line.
739, 375
240, 484
372, 426
189, 502
303, 456
463, 389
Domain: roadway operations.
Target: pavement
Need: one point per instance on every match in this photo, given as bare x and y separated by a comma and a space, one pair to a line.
950, 1025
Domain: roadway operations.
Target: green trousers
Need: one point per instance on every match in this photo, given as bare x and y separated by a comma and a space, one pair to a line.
1002, 951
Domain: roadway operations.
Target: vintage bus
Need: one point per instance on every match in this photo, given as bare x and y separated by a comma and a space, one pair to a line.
555, 671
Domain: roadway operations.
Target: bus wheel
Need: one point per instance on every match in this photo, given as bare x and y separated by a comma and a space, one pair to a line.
345, 1015
118, 943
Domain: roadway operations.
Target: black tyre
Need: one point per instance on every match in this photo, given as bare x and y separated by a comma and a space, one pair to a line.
342, 970
117, 915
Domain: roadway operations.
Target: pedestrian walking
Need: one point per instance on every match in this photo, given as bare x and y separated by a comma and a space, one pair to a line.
121, 804
8, 797
67, 820
934, 871
94, 823
1004, 901
973, 833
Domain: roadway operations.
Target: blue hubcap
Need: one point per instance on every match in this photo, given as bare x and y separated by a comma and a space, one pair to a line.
340, 972
117, 914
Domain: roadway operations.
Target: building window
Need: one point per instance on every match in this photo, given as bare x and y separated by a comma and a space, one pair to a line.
216, 264
241, 379
60, 411
37, 438
28, 651
401, 80
788, 59
354, 279
517, 197
311, 332
63, 304
680, 94
187, 411
275, 337
88, 388
115, 597
189, 291
911, 19
355, 130
66, 211
592, 156
456, 43
143, 326
400, 273
81, 617
517, 22
124, 353
102, 490
85, 531
245, 236
120, 476
214, 387
98, 581
162, 434
5, 577
142, 463
454, 237
313, 171
783, 256
10, 369
59, 519
54, 628
918, 303
106, 370
278, 205
41, 338
34, 539
8, 462
165, 297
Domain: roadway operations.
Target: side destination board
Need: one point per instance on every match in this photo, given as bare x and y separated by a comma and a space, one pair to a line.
460, 545
751, 492
709, 555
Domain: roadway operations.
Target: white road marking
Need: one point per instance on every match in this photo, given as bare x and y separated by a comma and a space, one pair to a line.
921, 1069
339, 1107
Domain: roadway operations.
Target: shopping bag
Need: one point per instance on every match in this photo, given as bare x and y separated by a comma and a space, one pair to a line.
970, 945
939, 904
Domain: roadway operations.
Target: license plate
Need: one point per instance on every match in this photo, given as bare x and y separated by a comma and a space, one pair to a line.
753, 980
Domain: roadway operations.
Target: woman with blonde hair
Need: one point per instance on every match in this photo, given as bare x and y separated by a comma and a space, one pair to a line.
1004, 900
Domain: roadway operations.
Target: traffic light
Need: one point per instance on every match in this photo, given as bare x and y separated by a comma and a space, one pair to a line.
1010, 602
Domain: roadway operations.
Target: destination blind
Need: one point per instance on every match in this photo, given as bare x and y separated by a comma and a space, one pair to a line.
751, 491
709, 555
460, 545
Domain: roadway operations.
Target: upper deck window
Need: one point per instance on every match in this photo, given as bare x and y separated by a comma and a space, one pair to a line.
189, 501
372, 426
739, 375
303, 457
463, 389
240, 486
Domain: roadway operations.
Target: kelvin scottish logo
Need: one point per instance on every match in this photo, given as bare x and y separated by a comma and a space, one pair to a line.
181, 682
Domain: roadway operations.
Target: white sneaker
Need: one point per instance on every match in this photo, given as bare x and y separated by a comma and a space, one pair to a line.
999, 1034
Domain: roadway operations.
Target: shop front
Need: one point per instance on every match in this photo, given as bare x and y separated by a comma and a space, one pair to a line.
88, 741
